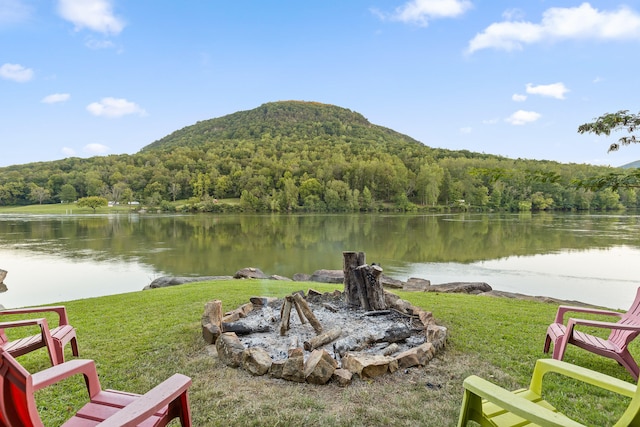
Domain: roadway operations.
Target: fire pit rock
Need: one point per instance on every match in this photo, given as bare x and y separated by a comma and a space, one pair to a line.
324, 339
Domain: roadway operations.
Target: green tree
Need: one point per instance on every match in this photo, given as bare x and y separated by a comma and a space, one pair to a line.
201, 186
39, 194
174, 190
68, 193
366, 199
310, 187
289, 192
118, 191
428, 183
605, 125
93, 202
612, 122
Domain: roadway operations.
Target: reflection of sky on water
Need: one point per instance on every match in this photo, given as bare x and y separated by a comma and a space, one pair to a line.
35, 279
607, 277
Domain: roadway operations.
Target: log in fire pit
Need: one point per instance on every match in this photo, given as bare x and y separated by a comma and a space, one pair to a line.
316, 337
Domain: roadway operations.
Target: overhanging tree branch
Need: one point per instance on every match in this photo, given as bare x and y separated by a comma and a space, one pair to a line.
612, 122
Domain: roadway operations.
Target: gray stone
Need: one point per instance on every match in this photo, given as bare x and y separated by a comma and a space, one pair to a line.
293, 369
301, 277
417, 356
230, 349
389, 282
319, 367
163, 282
327, 276
342, 377
417, 284
369, 365
256, 360
276, 368
461, 287
262, 301
276, 277
437, 335
250, 273
210, 332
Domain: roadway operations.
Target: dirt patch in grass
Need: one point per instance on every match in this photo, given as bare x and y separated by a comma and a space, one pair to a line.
427, 396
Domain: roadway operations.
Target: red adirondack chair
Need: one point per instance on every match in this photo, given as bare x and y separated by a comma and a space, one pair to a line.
615, 346
106, 408
54, 339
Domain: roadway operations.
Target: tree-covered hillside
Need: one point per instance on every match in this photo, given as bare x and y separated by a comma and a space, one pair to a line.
304, 156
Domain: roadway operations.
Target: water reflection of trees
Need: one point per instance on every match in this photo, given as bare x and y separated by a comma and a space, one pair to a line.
282, 244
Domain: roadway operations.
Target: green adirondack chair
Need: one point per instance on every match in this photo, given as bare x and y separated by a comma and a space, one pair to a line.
492, 406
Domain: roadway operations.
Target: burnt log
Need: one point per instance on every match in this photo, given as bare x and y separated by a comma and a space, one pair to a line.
322, 339
301, 316
304, 307
242, 329
362, 285
285, 313
395, 333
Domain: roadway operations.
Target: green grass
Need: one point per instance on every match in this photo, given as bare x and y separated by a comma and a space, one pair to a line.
72, 208
64, 209
140, 338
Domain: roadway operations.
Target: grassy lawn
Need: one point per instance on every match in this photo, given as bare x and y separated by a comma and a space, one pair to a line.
140, 338
65, 209
72, 208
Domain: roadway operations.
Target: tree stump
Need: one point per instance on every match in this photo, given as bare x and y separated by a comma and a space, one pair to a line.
362, 285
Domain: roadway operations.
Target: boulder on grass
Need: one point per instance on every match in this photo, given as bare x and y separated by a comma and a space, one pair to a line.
250, 273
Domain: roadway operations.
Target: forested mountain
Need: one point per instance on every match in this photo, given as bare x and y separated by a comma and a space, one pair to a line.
632, 165
305, 156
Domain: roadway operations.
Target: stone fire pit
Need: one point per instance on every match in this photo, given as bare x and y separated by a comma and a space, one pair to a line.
317, 337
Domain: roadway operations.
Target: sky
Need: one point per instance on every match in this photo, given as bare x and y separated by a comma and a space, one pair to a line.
82, 78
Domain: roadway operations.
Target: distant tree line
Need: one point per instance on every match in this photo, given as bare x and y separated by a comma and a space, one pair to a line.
291, 156
318, 178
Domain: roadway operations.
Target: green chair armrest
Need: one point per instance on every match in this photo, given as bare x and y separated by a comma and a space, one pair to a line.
598, 379
516, 404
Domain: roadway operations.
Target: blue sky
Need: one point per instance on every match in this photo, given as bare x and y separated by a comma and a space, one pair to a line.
514, 78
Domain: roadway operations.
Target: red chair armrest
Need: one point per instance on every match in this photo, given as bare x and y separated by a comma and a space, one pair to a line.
29, 322
65, 370
59, 309
599, 324
567, 308
150, 402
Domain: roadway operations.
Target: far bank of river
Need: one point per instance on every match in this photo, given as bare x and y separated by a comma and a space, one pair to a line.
566, 256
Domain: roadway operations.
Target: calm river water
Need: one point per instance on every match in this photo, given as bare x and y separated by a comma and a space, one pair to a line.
585, 257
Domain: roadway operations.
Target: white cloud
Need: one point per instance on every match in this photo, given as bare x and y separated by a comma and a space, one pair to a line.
16, 72
95, 149
465, 130
522, 117
598, 79
14, 11
114, 107
518, 97
490, 121
420, 12
96, 15
554, 90
55, 98
581, 22
99, 44
69, 152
